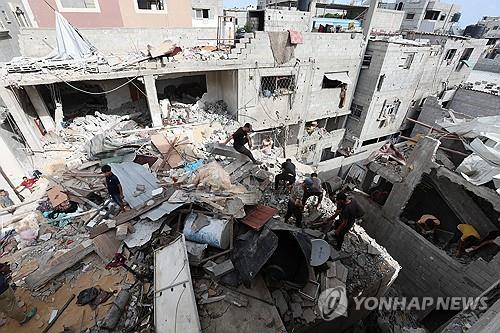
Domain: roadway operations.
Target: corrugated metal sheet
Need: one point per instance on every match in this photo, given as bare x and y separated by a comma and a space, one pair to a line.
259, 216
130, 175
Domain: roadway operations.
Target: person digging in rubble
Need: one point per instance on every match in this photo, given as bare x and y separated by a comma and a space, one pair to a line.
489, 239
8, 302
428, 224
467, 237
240, 139
287, 175
312, 188
114, 187
349, 210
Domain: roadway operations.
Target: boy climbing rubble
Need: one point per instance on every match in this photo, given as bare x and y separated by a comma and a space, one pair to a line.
114, 187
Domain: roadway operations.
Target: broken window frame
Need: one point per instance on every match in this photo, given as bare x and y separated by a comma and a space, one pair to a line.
68, 7
356, 110
388, 113
160, 5
409, 60
367, 60
277, 85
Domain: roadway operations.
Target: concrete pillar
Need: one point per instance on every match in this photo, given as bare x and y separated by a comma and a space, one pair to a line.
420, 162
154, 105
40, 108
22, 121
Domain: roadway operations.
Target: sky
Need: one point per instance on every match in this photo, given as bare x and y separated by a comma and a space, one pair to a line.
472, 10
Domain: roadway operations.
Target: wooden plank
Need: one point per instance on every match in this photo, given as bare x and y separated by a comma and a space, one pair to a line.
167, 149
43, 275
130, 215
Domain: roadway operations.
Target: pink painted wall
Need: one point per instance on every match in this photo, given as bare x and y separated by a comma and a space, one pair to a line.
109, 16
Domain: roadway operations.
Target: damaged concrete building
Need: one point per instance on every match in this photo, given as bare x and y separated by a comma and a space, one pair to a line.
204, 226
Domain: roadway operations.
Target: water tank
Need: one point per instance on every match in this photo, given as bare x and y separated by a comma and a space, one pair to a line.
475, 30
303, 5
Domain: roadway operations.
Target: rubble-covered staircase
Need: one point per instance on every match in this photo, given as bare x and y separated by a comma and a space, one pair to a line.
242, 47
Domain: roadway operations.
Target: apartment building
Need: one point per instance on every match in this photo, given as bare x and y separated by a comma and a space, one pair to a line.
396, 77
128, 13
428, 16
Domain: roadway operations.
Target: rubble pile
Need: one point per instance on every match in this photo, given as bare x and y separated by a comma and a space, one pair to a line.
216, 206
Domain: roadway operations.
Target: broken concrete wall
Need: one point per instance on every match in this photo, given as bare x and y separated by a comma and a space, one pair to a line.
431, 111
40, 42
387, 20
283, 19
427, 270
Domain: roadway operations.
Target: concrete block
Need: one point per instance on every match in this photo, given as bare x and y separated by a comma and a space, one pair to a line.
223, 268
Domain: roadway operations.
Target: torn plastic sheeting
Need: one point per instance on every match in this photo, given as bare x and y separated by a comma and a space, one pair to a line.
102, 146
480, 126
130, 175
164, 209
143, 230
215, 234
477, 170
70, 43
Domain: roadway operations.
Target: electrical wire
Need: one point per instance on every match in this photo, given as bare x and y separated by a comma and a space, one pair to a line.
96, 93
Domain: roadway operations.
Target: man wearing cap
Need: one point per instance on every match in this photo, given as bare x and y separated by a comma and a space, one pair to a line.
240, 139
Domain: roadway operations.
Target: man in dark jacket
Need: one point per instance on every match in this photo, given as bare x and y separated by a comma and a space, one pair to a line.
240, 139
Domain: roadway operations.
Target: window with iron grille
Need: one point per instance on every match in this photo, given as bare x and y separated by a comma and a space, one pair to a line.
277, 85
356, 110
388, 113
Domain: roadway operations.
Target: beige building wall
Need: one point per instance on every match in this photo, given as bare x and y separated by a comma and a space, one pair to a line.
177, 14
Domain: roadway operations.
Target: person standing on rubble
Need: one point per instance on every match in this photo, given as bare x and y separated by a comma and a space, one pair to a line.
114, 187
312, 188
349, 210
8, 302
287, 175
294, 206
240, 139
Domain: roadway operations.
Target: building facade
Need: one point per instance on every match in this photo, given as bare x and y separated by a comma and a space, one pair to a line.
397, 75
428, 16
